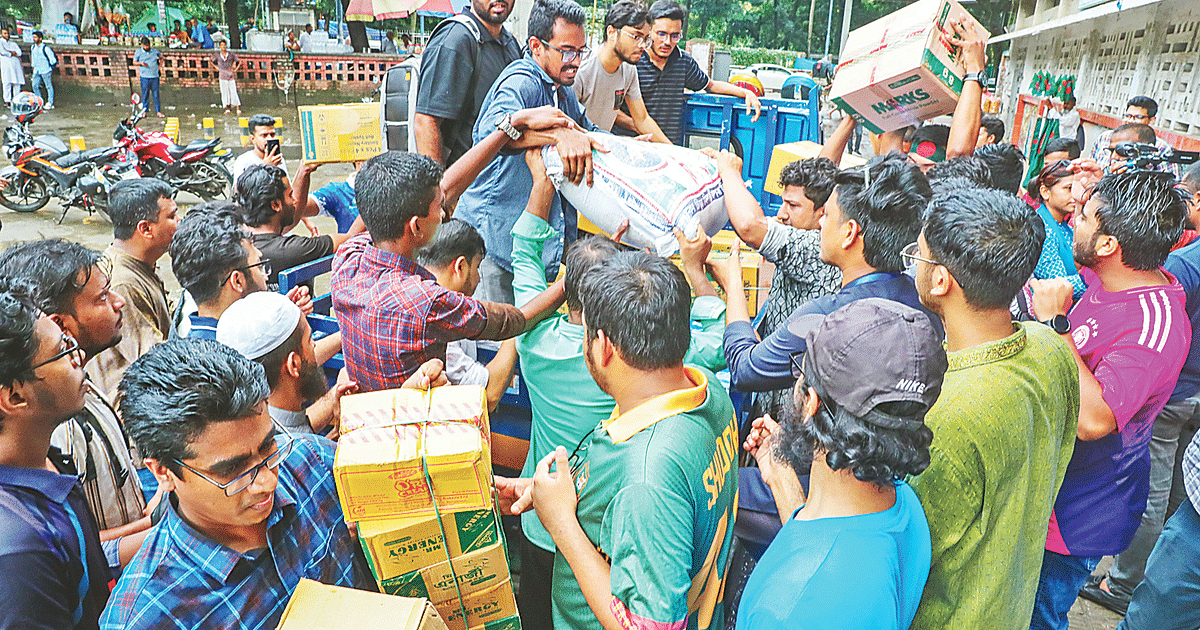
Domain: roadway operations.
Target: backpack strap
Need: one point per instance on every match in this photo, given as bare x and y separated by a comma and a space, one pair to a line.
473, 28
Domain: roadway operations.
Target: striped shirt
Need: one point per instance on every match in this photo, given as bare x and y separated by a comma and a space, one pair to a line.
100, 451
1134, 342
182, 579
662, 90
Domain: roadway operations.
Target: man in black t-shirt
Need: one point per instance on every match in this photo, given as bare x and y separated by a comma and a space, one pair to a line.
464, 56
270, 214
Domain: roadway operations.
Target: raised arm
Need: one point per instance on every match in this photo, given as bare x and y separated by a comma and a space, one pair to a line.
964, 128
745, 214
835, 146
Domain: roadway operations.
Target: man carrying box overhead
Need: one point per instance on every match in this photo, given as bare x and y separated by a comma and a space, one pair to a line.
645, 542
253, 509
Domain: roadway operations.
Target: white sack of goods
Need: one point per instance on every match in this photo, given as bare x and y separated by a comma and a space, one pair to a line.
656, 186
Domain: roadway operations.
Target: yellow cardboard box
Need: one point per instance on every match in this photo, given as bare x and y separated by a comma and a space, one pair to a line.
752, 270
380, 471
340, 133
483, 582
784, 154
317, 606
395, 547
453, 403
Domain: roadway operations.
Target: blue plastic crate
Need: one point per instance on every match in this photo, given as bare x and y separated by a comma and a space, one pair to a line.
782, 121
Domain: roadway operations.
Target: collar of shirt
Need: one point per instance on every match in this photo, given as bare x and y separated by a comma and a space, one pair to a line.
52, 485
989, 352
382, 258
217, 560
622, 426
539, 71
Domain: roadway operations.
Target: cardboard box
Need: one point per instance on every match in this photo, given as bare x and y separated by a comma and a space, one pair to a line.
380, 471
902, 69
784, 154
483, 580
752, 270
395, 547
453, 403
316, 606
340, 133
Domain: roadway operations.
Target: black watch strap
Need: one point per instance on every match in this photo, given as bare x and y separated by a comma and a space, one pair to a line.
1059, 324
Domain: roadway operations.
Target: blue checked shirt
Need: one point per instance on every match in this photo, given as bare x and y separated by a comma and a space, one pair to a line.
181, 579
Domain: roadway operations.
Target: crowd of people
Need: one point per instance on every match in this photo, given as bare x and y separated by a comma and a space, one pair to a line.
968, 388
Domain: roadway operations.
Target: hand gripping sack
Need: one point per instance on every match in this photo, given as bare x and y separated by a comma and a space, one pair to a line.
656, 186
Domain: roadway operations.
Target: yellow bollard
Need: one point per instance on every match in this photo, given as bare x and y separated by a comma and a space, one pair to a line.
78, 144
210, 128
244, 123
171, 129
278, 124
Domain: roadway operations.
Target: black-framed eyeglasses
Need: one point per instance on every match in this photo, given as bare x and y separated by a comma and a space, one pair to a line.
567, 55
71, 346
911, 254
797, 363
665, 35
1136, 117
244, 480
642, 42
264, 264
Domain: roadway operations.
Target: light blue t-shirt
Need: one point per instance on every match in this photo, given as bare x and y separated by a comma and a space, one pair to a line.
150, 58
863, 571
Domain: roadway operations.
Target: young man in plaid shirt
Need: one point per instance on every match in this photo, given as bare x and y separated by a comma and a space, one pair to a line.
393, 314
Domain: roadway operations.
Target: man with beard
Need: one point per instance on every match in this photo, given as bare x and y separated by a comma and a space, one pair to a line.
73, 289
464, 56
499, 194
608, 80
1131, 335
268, 328
52, 570
269, 211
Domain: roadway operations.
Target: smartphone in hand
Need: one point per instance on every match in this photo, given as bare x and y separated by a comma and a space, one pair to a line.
273, 146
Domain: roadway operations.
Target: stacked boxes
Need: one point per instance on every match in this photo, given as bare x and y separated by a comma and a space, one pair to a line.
413, 470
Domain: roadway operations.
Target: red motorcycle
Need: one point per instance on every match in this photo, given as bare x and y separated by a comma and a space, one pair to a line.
198, 167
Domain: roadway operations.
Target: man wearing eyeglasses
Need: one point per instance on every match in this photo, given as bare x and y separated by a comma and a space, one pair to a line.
666, 71
1139, 110
252, 509
74, 290
53, 572
608, 80
497, 197
215, 261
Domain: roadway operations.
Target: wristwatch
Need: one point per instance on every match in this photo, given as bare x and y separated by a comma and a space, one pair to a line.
504, 123
974, 76
1059, 324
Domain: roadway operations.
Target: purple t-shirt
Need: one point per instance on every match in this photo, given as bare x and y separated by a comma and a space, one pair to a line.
1134, 342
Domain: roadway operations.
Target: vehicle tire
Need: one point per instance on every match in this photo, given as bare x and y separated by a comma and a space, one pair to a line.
25, 195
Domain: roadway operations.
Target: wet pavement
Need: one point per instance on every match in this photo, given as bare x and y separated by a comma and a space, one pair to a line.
95, 124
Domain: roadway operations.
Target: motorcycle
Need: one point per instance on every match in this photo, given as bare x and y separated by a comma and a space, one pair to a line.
198, 167
44, 167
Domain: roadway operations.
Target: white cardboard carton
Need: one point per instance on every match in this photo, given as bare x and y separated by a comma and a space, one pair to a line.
902, 69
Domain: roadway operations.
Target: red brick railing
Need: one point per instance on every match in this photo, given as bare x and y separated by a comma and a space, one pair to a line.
1034, 105
111, 67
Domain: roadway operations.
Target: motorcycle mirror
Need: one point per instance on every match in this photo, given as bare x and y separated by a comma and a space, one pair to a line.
135, 100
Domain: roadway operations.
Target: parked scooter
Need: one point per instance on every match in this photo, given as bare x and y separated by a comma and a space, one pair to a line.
198, 167
44, 167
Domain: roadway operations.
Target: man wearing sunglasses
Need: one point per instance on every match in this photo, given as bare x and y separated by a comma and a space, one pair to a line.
53, 571
497, 197
252, 509
608, 80
665, 71
74, 290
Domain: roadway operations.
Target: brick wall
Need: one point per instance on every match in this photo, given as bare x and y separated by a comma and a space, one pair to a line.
109, 68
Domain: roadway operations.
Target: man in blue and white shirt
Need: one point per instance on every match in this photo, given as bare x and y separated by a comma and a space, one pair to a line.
43, 61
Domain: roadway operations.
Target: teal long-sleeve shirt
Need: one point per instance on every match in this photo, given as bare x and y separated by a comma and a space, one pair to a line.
567, 403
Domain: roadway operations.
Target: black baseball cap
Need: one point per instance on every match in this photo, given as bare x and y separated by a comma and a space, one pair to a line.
875, 351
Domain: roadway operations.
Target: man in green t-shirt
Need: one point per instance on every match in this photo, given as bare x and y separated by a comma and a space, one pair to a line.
646, 539
1004, 426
